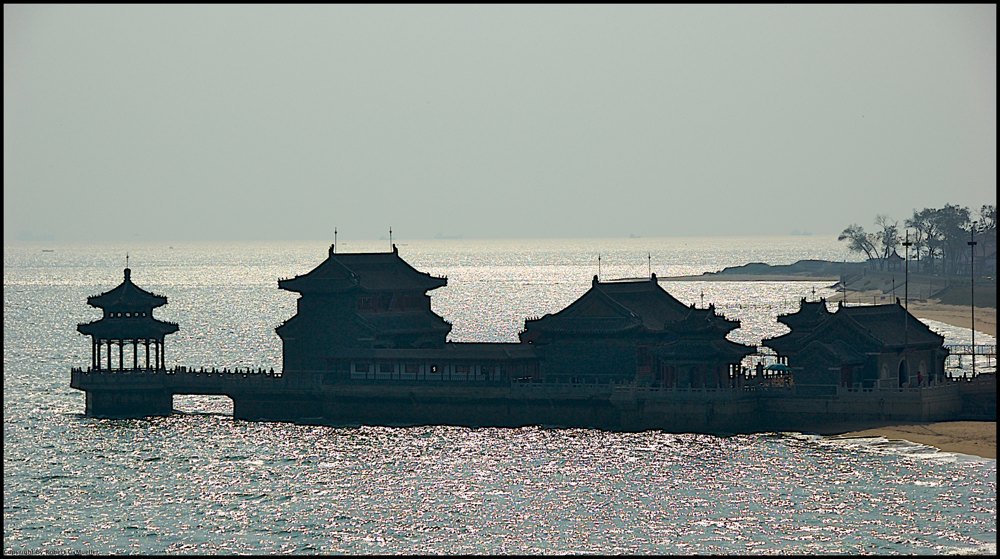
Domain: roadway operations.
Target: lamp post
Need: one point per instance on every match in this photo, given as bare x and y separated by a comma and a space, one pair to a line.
906, 273
972, 290
906, 290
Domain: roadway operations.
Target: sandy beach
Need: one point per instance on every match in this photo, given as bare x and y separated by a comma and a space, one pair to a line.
978, 438
986, 318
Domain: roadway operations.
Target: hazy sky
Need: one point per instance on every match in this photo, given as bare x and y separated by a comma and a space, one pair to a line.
282, 122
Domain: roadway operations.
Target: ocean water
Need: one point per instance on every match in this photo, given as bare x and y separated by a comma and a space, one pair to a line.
201, 482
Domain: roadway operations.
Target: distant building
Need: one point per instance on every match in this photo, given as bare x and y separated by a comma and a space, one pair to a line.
127, 321
367, 316
364, 347
634, 331
895, 261
359, 301
864, 347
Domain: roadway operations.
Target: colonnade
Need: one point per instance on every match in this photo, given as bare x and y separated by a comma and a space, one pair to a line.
97, 355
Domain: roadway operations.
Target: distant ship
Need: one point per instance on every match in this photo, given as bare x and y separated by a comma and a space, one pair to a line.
365, 347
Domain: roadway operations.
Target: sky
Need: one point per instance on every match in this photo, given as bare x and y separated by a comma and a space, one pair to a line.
286, 122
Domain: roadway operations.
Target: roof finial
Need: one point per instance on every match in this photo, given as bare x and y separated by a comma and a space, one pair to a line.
335, 239
126, 260
390, 237
649, 262
598, 266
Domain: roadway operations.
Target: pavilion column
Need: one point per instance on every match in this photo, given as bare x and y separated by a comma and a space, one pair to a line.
93, 353
147, 353
121, 355
157, 348
135, 354
163, 355
109, 355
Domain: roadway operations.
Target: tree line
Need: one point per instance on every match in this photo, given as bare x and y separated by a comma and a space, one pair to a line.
938, 239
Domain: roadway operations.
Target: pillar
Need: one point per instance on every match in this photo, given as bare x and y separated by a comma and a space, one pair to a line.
135, 354
93, 353
147, 352
121, 355
109, 355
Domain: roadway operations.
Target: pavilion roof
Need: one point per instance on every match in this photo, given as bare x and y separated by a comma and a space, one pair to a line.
617, 306
136, 328
369, 271
876, 325
810, 314
701, 349
404, 322
891, 324
127, 297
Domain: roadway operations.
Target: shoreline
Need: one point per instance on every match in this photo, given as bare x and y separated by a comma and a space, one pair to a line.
976, 438
930, 309
986, 318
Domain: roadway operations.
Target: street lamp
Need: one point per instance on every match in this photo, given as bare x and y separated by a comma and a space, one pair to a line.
906, 276
906, 290
972, 290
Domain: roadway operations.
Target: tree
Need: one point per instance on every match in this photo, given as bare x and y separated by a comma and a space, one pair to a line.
859, 241
888, 236
987, 218
952, 224
939, 236
928, 238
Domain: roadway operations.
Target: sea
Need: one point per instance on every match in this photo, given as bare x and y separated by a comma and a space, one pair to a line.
200, 482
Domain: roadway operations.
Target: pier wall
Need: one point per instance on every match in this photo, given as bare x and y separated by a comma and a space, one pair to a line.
845, 410
269, 397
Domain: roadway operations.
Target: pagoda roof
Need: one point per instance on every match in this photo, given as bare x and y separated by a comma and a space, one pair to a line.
646, 300
127, 297
891, 324
368, 271
876, 325
788, 342
704, 320
621, 306
127, 328
297, 324
809, 315
700, 349
404, 322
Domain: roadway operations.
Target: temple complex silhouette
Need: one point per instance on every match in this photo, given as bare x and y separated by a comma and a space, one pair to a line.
365, 347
